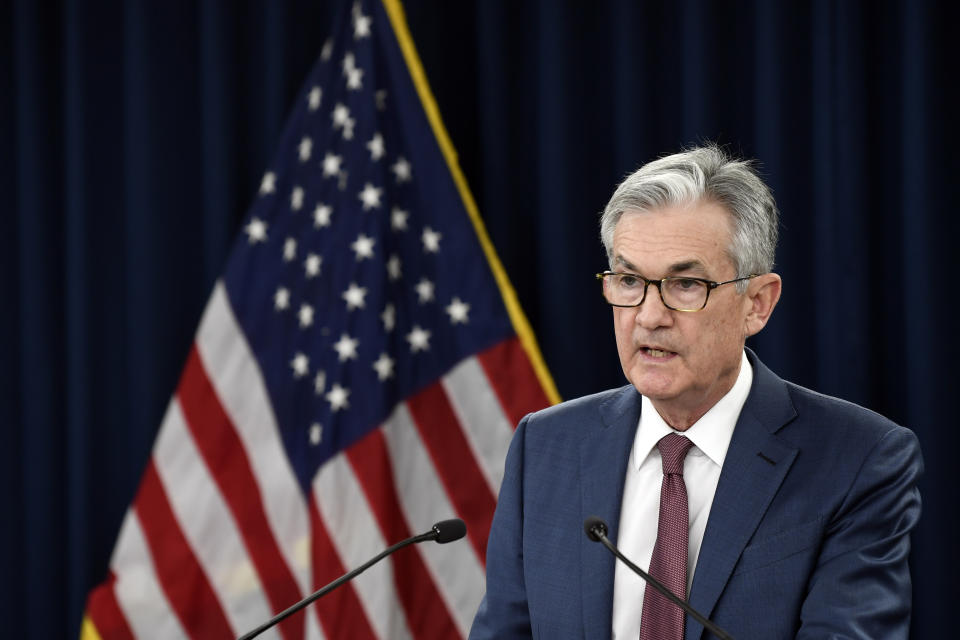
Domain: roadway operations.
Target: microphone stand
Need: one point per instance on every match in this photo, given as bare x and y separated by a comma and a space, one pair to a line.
597, 531
442, 532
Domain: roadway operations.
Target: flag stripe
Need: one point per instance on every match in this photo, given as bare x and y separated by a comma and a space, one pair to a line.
224, 454
418, 593
353, 529
215, 540
454, 460
513, 379
455, 568
483, 420
181, 576
104, 611
239, 384
340, 611
137, 589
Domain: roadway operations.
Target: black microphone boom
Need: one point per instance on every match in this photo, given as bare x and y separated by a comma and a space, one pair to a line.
596, 530
442, 532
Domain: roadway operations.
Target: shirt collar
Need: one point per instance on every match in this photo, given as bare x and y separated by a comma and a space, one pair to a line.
710, 434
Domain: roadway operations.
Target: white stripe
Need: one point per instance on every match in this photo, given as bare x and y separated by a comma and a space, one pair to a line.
234, 374
314, 632
455, 568
207, 524
353, 528
486, 426
137, 590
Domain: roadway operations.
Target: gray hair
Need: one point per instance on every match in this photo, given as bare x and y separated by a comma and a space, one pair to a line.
704, 173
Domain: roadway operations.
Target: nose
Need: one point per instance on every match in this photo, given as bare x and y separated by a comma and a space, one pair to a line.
652, 313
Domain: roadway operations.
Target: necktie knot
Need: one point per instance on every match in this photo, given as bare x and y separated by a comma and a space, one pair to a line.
673, 449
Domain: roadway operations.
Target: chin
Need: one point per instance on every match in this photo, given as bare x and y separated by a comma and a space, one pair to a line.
655, 387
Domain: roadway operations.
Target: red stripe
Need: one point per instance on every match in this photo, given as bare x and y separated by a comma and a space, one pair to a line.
426, 611
466, 486
513, 380
180, 575
224, 454
105, 614
340, 611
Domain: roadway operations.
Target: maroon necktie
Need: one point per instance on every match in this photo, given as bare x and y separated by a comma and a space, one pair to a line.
661, 619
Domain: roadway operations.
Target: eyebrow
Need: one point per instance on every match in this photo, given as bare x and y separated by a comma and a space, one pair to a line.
676, 267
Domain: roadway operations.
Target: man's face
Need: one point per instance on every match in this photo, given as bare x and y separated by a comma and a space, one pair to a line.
684, 362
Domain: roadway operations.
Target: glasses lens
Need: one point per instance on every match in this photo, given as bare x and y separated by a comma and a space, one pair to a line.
623, 288
684, 294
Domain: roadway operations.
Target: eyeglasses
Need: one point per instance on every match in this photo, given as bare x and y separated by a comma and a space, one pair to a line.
677, 293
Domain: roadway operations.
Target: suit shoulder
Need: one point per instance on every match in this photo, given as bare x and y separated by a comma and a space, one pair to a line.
837, 414
578, 412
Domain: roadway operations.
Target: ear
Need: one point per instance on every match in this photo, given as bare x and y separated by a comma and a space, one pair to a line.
763, 293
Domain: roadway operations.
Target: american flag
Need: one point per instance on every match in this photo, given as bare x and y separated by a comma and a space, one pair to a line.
355, 378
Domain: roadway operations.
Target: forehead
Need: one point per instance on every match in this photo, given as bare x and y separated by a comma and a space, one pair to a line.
692, 237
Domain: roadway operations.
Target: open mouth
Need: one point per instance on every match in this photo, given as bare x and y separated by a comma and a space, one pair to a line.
659, 354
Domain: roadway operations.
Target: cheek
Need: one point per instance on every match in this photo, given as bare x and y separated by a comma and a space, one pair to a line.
623, 328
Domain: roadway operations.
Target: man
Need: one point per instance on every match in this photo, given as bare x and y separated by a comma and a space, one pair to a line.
778, 512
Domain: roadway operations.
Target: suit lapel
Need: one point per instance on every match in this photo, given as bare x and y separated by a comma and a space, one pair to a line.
603, 462
757, 462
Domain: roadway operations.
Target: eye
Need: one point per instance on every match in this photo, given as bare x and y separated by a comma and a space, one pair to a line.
687, 284
629, 281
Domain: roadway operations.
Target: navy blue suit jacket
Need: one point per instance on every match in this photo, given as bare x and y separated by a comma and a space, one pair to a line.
808, 534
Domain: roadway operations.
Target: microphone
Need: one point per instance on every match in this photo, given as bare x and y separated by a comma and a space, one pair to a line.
442, 532
596, 530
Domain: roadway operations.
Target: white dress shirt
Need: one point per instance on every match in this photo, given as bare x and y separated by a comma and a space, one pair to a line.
640, 510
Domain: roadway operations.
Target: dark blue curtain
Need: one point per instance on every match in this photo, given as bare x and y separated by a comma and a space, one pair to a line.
134, 134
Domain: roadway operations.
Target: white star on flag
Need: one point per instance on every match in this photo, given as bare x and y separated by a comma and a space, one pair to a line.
305, 148
355, 79
289, 249
398, 219
393, 267
300, 365
305, 316
340, 115
296, 198
431, 240
419, 339
281, 299
354, 296
316, 433
313, 98
346, 348
370, 197
312, 265
256, 230
424, 290
269, 183
349, 62
348, 129
384, 367
402, 170
381, 99
457, 310
376, 147
331, 164
363, 247
389, 317
321, 215
337, 397
361, 24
